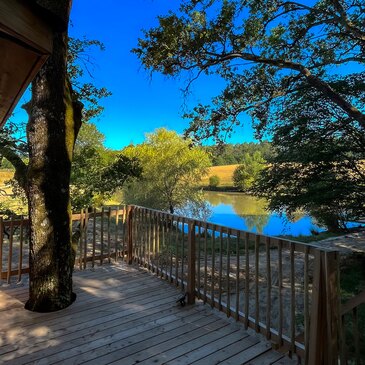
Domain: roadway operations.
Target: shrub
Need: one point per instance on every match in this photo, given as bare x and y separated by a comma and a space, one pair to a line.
214, 181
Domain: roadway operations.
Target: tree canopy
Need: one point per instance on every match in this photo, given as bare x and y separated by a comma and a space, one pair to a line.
232, 154
96, 171
246, 174
171, 171
297, 68
265, 50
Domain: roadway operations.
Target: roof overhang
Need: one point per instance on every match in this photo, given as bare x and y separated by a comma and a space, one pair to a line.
25, 44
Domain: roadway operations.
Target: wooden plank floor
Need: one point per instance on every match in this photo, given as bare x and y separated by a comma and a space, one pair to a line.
123, 315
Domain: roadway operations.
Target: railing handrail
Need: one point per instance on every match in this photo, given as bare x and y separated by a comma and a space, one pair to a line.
234, 231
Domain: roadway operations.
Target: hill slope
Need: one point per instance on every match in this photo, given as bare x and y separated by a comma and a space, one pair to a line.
224, 173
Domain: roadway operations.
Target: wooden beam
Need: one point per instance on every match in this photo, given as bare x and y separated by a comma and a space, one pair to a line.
18, 66
25, 43
19, 21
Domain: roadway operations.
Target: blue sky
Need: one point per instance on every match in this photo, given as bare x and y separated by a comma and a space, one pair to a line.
140, 103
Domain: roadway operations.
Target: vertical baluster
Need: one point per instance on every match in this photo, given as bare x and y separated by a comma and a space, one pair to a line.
182, 252
21, 238
238, 275
280, 283
145, 238
205, 261
154, 224
247, 278
292, 299
177, 252
124, 232
108, 228
10, 256
157, 229
102, 236
86, 219
228, 276
169, 276
94, 238
257, 301
213, 265
140, 234
81, 238
198, 260
136, 234
148, 238
165, 228
220, 268
306, 305
191, 264
268, 283
116, 233
133, 247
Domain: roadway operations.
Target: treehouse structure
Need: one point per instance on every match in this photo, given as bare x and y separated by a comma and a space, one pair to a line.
26, 31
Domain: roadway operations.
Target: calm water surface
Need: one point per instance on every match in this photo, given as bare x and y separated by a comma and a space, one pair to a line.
248, 213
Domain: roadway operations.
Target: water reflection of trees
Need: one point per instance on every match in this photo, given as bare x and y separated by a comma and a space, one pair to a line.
256, 221
251, 209
242, 204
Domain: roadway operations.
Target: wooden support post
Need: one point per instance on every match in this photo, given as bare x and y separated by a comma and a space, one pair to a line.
324, 329
190, 290
130, 234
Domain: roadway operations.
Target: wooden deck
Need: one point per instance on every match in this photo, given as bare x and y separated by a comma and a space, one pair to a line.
124, 315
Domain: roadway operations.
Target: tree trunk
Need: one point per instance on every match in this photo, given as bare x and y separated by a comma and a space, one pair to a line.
54, 122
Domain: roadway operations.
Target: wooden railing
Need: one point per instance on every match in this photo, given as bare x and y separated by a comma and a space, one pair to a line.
102, 239
286, 290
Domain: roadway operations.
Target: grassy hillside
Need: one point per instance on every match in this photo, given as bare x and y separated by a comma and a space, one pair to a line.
6, 200
224, 173
5, 175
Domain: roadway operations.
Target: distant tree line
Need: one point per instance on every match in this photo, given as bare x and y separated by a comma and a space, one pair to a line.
231, 154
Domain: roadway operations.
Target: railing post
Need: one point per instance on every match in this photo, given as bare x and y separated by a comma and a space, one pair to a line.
190, 289
130, 234
324, 320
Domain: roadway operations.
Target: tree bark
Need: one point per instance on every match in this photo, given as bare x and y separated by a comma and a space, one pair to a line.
54, 122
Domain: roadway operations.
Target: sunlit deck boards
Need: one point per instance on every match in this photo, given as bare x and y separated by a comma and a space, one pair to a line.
125, 316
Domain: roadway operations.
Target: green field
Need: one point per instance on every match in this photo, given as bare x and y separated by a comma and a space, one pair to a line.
225, 174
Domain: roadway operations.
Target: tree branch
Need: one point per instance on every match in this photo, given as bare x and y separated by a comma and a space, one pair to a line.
20, 167
350, 27
313, 80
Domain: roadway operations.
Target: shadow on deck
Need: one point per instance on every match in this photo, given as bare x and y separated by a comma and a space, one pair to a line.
124, 315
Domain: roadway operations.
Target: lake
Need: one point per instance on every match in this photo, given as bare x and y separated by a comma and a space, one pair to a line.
248, 213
